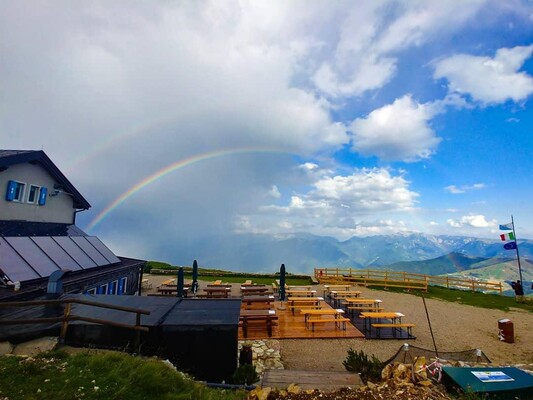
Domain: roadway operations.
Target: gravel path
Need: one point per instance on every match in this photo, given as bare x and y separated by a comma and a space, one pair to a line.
456, 327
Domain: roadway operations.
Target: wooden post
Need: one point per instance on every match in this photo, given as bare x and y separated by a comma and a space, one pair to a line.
137, 333
64, 324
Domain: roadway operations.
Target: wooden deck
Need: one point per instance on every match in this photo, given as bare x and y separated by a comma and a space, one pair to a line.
293, 327
325, 381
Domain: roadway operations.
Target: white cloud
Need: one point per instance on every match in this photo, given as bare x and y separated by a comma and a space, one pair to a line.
488, 80
335, 204
372, 35
473, 221
308, 166
397, 131
274, 192
464, 188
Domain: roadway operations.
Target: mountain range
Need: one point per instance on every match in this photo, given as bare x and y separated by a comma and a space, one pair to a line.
302, 252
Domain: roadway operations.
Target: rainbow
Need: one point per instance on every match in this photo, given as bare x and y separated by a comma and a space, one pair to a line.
169, 169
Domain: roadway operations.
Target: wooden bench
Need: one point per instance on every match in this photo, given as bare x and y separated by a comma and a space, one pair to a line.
244, 322
365, 308
337, 322
395, 327
304, 307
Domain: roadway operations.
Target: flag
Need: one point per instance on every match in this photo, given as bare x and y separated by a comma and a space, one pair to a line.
509, 246
507, 236
506, 227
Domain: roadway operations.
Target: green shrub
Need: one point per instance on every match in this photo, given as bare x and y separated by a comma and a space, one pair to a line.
245, 375
368, 368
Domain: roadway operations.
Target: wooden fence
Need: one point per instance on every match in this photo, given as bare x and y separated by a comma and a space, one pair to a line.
368, 277
68, 316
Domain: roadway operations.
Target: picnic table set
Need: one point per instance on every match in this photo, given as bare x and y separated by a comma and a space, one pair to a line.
259, 314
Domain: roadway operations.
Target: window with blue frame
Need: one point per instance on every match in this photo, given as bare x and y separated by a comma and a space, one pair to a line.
122, 285
33, 194
15, 191
112, 288
102, 289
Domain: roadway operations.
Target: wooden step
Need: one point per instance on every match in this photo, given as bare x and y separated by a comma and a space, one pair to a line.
326, 381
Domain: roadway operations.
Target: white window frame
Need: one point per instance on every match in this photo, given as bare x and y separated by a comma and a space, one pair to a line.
114, 285
37, 194
125, 285
20, 198
91, 291
104, 288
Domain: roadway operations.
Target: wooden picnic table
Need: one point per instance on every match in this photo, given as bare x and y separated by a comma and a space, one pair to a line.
358, 303
267, 316
339, 295
298, 287
329, 288
328, 315
304, 303
169, 282
394, 317
220, 291
249, 301
172, 290
300, 292
254, 290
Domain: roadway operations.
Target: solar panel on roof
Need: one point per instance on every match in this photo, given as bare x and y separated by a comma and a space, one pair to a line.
90, 250
13, 265
56, 253
103, 249
74, 251
33, 255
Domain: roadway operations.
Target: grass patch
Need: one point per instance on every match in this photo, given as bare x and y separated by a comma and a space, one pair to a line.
58, 375
476, 299
210, 275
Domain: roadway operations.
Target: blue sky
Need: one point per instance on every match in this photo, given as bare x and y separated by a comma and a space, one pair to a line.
333, 118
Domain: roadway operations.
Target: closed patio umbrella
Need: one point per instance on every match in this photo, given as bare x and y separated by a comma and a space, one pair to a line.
282, 283
179, 292
194, 277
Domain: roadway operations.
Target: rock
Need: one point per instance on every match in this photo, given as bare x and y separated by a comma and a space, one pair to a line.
5, 348
260, 393
402, 373
419, 367
36, 346
386, 373
371, 385
293, 388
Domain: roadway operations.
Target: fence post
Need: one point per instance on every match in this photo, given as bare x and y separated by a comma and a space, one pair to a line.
64, 324
138, 333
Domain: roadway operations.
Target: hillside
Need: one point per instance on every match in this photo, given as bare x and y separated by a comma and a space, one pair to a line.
303, 252
450, 263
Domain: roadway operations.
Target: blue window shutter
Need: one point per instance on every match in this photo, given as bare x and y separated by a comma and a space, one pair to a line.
121, 286
10, 194
100, 290
42, 196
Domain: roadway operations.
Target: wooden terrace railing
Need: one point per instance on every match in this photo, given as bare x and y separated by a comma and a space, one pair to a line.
68, 316
368, 277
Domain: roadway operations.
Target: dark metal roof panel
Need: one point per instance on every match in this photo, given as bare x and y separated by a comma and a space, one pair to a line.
56, 253
33, 255
74, 251
90, 250
14, 265
103, 249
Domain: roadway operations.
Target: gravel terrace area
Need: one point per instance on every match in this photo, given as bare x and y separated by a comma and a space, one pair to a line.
456, 327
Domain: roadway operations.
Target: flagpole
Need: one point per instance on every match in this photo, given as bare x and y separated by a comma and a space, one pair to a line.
517, 255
